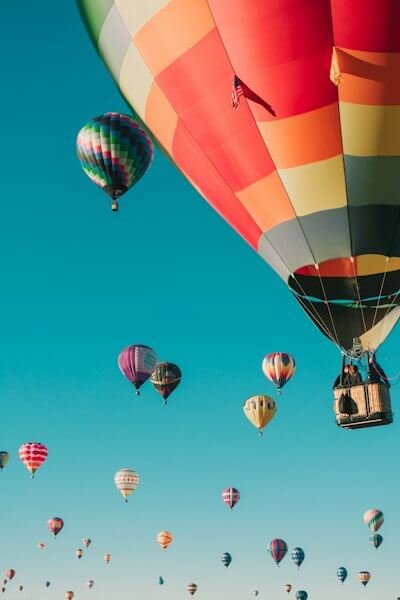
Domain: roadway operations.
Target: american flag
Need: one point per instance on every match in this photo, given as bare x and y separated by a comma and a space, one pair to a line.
237, 91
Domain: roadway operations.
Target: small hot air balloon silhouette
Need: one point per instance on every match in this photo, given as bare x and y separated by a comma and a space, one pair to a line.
107, 558
373, 518
376, 540
191, 588
47, 584
278, 367
364, 577
41, 545
231, 496
160, 580
79, 553
277, 548
301, 595
69, 595
86, 542
21, 587
164, 538
259, 410
298, 556
90, 583
287, 588
342, 574
166, 378
55, 525
137, 363
10, 574
33, 455
226, 559
126, 481
4, 458
3, 589
256, 592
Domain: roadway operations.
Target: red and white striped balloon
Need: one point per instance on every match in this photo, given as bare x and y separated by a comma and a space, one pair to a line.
33, 455
231, 496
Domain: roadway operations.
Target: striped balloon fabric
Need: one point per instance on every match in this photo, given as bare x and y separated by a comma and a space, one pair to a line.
277, 548
55, 525
164, 538
126, 481
33, 455
298, 556
364, 577
278, 367
231, 496
191, 588
137, 363
373, 518
115, 152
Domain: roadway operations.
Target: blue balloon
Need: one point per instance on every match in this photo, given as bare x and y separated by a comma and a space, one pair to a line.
226, 559
342, 574
160, 580
298, 556
376, 540
301, 595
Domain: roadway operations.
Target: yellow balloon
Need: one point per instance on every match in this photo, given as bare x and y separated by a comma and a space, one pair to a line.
259, 410
164, 538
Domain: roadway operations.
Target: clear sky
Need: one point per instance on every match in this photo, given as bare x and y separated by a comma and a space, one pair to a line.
78, 284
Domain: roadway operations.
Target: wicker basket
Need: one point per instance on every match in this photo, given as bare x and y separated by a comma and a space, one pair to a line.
369, 405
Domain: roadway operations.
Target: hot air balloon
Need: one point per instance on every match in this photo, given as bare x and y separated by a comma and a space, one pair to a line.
160, 581
278, 367
342, 574
137, 364
226, 559
4, 458
115, 152
301, 595
376, 540
79, 553
256, 592
231, 496
166, 378
47, 584
259, 410
107, 558
10, 574
298, 556
164, 538
40, 545
373, 518
191, 588
277, 548
33, 455
287, 588
86, 542
90, 583
3, 589
55, 525
126, 481
21, 587
69, 595
364, 577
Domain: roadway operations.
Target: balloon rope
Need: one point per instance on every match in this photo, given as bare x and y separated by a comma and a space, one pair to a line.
358, 293
381, 290
327, 304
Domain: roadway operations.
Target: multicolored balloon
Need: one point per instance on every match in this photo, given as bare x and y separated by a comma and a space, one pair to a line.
287, 588
231, 496
376, 540
107, 558
114, 152
277, 549
342, 574
191, 588
86, 542
55, 525
301, 595
364, 577
10, 574
278, 367
137, 363
373, 518
4, 458
166, 378
79, 553
33, 455
126, 481
90, 583
298, 556
259, 410
226, 559
164, 538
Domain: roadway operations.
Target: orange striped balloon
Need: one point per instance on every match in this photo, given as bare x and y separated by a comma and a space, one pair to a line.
33, 455
191, 588
164, 538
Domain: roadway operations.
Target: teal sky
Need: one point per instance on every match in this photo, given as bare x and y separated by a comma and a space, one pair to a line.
79, 284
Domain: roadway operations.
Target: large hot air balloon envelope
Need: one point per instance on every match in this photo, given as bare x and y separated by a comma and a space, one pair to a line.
126, 481
278, 367
342, 574
115, 152
137, 363
284, 116
373, 519
164, 538
55, 525
226, 559
191, 588
231, 496
4, 458
364, 577
277, 549
376, 540
166, 378
33, 455
259, 410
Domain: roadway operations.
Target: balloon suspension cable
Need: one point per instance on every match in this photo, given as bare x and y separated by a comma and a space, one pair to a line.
381, 290
358, 293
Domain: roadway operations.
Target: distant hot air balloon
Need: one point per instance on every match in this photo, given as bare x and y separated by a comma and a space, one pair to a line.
47, 584
376, 540
364, 577
231, 496
164, 538
126, 481
226, 559
3, 589
256, 592
21, 587
277, 548
166, 378
137, 363
115, 152
160, 581
10, 574
79, 553
40, 545
342, 574
107, 558
86, 542
33, 455
301, 595
191, 588
55, 525
373, 518
278, 367
90, 583
69, 595
4, 458
298, 556
259, 410
287, 588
